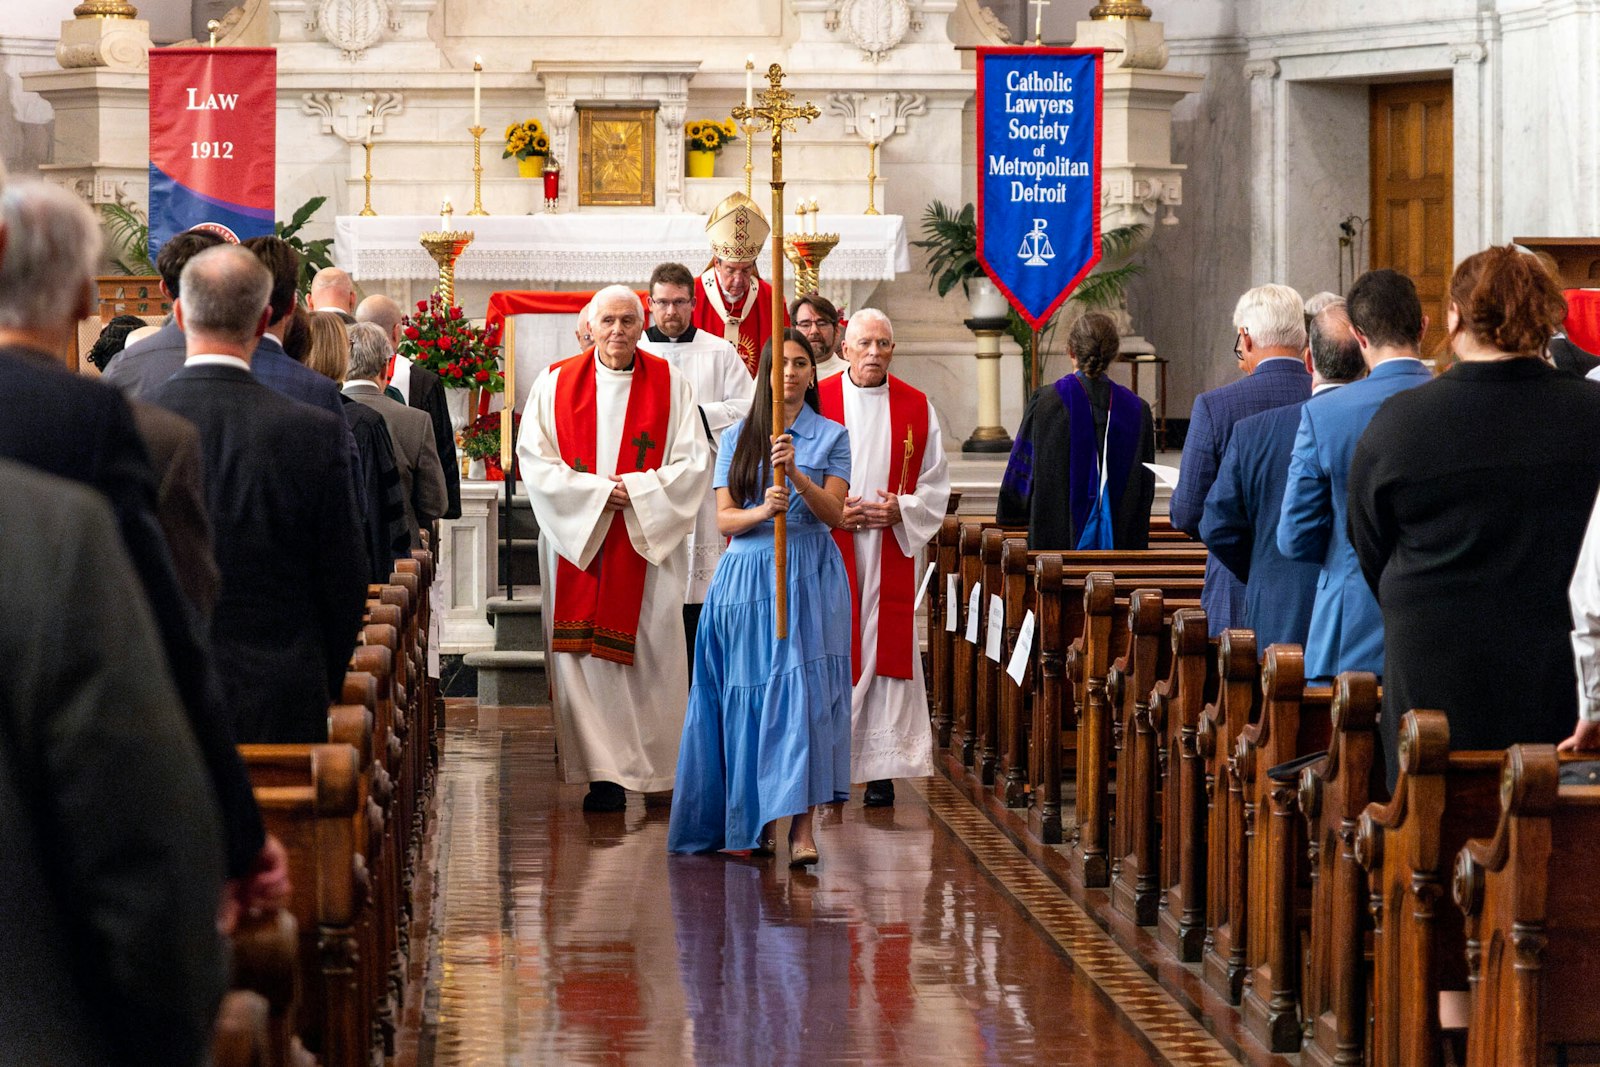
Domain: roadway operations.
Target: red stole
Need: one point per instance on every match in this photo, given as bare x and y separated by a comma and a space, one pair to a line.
597, 608
897, 573
746, 327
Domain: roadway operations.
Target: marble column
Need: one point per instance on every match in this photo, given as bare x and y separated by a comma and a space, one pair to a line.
1266, 173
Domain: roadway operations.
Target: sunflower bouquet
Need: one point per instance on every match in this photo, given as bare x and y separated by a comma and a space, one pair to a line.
706, 135
524, 139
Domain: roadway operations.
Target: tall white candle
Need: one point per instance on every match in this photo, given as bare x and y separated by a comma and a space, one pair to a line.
477, 91
749, 81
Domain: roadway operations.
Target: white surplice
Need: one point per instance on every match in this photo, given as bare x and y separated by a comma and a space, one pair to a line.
890, 736
616, 723
723, 388
834, 364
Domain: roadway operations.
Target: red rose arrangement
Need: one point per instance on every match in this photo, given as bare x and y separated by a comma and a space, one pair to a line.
441, 338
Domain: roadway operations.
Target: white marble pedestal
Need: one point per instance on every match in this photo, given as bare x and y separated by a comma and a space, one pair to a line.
469, 556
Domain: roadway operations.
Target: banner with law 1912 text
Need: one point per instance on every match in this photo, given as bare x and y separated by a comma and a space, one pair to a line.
1038, 172
213, 141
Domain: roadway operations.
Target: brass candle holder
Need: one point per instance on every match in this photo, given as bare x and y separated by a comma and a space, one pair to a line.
807, 250
366, 179
446, 246
477, 171
872, 176
749, 148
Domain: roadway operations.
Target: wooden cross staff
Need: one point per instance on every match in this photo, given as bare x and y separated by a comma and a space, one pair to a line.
777, 113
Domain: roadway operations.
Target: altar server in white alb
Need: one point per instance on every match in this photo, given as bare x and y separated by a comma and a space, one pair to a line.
616, 465
899, 484
723, 389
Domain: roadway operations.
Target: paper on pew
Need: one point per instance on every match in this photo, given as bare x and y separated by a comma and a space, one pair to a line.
922, 590
952, 605
972, 612
997, 622
1167, 476
1019, 655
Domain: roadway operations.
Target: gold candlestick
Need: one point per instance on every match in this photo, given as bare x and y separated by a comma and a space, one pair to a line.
807, 251
366, 178
749, 148
777, 113
446, 246
477, 171
872, 176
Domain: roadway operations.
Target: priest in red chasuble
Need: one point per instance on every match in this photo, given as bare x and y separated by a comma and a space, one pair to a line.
899, 484
616, 465
731, 300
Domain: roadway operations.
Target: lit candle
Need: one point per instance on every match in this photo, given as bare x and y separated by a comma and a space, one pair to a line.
445, 211
815, 211
477, 91
749, 81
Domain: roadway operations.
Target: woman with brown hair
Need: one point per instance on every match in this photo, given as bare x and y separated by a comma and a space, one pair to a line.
1077, 476
1469, 496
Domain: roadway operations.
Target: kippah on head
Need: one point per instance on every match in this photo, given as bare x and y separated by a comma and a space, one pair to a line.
737, 229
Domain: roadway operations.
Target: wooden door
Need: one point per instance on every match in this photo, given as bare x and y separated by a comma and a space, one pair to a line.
1412, 230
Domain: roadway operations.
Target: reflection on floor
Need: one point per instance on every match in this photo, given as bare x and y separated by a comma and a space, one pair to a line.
923, 937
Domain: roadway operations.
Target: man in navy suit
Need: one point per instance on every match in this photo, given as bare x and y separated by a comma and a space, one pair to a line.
1240, 524
288, 538
147, 363
1346, 625
1270, 322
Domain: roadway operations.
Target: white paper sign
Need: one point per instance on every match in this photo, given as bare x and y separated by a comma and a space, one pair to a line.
1019, 655
1167, 476
952, 605
997, 622
922, 590
972, 612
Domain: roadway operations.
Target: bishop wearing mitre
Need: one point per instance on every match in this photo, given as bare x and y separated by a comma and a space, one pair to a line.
731, 299
899, 485
616, 466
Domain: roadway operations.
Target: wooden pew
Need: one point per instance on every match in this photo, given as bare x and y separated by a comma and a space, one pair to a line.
1531, 923
1134, 884
1441, 799
1011, 784
1221, 723
266, 963
1295, 721
1333, 795
941, 642
1175, 708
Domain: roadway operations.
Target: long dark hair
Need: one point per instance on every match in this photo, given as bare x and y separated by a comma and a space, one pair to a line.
750, 470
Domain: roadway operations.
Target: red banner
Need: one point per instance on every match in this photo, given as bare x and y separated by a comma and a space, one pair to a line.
213, 141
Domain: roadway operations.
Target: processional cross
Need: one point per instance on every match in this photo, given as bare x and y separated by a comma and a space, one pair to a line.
777, 112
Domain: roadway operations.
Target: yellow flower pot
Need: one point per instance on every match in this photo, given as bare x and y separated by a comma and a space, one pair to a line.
702, 163
531, 167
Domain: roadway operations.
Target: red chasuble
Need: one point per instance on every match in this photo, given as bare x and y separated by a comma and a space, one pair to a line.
747, 327
597, 608
897, 572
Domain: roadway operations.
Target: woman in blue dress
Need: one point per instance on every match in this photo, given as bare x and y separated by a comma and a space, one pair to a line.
767, 734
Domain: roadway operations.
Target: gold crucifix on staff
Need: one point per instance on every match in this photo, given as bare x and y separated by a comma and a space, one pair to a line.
777, 112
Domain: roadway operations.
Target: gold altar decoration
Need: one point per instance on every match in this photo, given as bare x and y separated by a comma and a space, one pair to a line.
777, 113
1119, 9
366, 180
477, 171
105, 9
872, 175
806, 250
446, 246
617, 156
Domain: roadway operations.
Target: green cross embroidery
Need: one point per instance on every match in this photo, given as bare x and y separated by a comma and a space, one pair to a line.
643, 444
580, 466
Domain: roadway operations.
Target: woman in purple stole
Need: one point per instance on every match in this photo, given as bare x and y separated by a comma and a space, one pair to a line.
1077, 476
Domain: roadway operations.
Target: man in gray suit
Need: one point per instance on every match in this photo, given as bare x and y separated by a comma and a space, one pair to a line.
421, 476
150, 361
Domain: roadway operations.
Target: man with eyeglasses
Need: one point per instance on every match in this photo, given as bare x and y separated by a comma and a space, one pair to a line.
722, 387
817, 318
731, 299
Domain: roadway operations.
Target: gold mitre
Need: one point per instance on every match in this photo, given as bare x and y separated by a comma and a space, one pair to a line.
737, 229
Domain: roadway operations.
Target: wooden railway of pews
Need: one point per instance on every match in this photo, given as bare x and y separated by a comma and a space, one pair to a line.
1227, 820
325, 976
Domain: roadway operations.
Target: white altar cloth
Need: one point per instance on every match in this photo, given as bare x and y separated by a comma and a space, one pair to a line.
593, 249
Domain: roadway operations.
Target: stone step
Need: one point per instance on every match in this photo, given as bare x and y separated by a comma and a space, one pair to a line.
524, 561
518, 624
510, 677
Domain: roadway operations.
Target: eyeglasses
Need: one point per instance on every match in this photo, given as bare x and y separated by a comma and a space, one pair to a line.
665, 304
1237, 339
806, 324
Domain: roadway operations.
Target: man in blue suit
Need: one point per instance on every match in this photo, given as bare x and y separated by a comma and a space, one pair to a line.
1270, 321
1346, 625
1240, 524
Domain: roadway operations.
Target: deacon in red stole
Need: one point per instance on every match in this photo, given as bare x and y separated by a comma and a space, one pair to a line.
731, 300
899, 484
616, 465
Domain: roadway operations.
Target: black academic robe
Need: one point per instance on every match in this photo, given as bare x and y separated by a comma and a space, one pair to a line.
1046, 509
1469, 497
383, 524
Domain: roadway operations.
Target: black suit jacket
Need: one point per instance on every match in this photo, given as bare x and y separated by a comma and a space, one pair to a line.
145, 364
54, 421
427, 394
289, 547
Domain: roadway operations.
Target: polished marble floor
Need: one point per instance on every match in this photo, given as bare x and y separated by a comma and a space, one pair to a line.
550, 936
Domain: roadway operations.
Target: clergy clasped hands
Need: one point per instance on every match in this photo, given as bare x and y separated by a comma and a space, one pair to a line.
619, 495
860, 514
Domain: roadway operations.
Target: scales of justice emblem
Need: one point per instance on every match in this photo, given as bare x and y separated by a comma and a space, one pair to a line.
1036, 250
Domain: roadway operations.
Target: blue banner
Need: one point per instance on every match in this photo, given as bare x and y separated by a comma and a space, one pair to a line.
1038, 173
